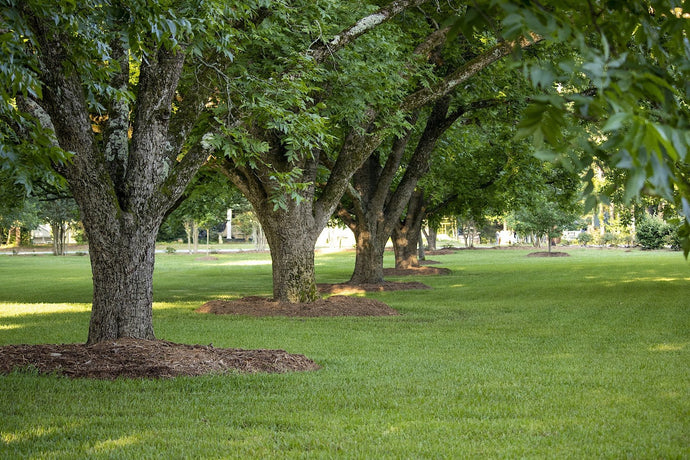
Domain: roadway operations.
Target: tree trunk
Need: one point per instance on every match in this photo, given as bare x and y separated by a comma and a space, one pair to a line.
122, 284
369, 255
195, 236
59, 236
405, 242
431, 237
406, 233
291, 240
420, 247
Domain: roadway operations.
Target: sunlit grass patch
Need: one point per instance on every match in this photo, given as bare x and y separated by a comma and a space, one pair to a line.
16, 309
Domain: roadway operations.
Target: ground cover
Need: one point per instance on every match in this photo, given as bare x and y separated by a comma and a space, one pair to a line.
508, 356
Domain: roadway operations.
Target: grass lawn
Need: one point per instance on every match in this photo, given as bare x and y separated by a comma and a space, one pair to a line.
585, 356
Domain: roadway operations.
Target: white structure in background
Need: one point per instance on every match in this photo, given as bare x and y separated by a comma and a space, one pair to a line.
44, 235
505, 237
336, 238
228, 225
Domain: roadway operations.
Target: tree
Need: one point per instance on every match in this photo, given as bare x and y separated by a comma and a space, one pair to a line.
17, 211
119, 89
364, 93
477, 169
205, 203
59, 211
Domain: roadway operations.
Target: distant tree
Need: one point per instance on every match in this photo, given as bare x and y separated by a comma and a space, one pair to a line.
544, 220
205, 203
17, 211
60, 212
652, 232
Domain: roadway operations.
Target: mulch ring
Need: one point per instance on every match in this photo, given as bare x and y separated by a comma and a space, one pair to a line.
548, 254
137, 358
443, 251
347, 289
421, 271
429, 262
337, 305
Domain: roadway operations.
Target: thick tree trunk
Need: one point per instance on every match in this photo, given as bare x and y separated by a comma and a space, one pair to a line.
420, 247
431, 237
122, 285
291, 237
407, 232
405, 241
369, 256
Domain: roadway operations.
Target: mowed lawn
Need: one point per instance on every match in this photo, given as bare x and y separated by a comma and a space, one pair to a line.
586, 356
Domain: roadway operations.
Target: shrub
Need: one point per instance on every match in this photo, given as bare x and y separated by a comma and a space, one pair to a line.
673, 238
170, 250
584, 238
652, 232
609, 239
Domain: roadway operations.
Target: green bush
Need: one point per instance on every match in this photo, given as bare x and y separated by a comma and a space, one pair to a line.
653, 232
673, 238
584, 238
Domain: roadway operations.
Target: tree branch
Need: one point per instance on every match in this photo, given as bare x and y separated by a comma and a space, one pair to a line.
464, 73
365, 24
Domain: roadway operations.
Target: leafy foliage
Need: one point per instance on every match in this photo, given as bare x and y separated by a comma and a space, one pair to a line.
653, 232
620, 98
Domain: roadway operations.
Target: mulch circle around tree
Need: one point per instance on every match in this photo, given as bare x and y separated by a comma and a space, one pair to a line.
337, 305
442, 252
420, 271
548, 254
347, 289
137, 358
429, 262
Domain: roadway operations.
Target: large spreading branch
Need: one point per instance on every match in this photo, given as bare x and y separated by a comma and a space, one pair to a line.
431, 93
321, 52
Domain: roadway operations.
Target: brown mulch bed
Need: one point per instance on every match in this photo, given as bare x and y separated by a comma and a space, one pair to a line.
441, 252
337, 305
136, 358
548, 254
423, 271
346, 288
429, 262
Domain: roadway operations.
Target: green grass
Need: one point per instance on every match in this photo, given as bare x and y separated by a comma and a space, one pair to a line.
579, 357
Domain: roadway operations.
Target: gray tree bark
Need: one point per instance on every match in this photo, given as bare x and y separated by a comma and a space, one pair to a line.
407, 232
123, 185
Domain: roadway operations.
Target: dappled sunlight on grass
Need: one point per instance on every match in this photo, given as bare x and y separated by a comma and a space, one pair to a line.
655, 279
17, 309
27, 435
109, 445
508, 357
669, 346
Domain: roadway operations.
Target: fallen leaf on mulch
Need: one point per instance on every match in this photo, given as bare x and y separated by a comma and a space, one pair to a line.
136, 358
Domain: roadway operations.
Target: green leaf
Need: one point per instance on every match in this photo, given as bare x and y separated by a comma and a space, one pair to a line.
615, 122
